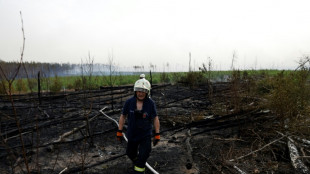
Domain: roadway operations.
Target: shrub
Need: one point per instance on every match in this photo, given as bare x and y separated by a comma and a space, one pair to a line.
94, 83
164, 77
290, 96
235, 81
70, 86
32, 84
193, 79
249, 83
20, 85
264, 86
77, 84
3, 87
56, 85
176, 77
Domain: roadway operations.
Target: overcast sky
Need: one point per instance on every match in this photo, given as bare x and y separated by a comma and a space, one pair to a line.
262, 33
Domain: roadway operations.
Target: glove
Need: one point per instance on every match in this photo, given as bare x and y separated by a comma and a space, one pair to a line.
119, 135
156, 139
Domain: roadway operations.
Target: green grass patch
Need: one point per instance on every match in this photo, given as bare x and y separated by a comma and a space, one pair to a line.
94, 82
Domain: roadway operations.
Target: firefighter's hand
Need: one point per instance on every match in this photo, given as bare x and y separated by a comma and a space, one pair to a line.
156, 139
119, 135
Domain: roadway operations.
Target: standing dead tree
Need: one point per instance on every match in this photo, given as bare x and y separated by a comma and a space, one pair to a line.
207, 69
111, 79
9, 80
87, 85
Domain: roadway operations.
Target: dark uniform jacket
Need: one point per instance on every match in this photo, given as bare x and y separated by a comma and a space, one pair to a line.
139, 122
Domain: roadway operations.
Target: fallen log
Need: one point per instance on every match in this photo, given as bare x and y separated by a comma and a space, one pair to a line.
294, 155
235, 167
74, 130
16, 136
80, 168
305, 142
239, 170
295, 158
14, 132
240, 157
222, 123
57, 143
44, 112
189, 161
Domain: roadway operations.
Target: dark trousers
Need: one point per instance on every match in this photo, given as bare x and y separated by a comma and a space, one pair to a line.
143, 146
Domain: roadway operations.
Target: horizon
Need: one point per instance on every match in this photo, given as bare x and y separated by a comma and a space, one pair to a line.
99, 67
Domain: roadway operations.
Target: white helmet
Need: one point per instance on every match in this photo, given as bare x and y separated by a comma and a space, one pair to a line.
142, 76
142, 85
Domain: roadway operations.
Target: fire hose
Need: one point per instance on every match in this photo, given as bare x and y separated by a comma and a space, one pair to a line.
147, 165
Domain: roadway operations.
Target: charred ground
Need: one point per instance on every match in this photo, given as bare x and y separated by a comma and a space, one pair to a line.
202, 131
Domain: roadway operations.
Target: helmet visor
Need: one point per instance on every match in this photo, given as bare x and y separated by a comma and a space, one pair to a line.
141, 90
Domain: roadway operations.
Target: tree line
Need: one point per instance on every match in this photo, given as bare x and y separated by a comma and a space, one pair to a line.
46, 69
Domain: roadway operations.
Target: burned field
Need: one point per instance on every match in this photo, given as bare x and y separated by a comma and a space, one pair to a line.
202, 131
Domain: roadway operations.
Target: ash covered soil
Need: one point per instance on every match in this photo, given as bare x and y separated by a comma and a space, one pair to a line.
202, 131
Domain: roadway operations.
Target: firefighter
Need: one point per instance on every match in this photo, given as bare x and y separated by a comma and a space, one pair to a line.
140, 112
142, 76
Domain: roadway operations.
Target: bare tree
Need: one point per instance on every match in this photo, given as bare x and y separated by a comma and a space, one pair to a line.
87, 73
189, 63
111, 78
138, 68
234, 57
9, 80
207, 69
87, 69
152, 66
